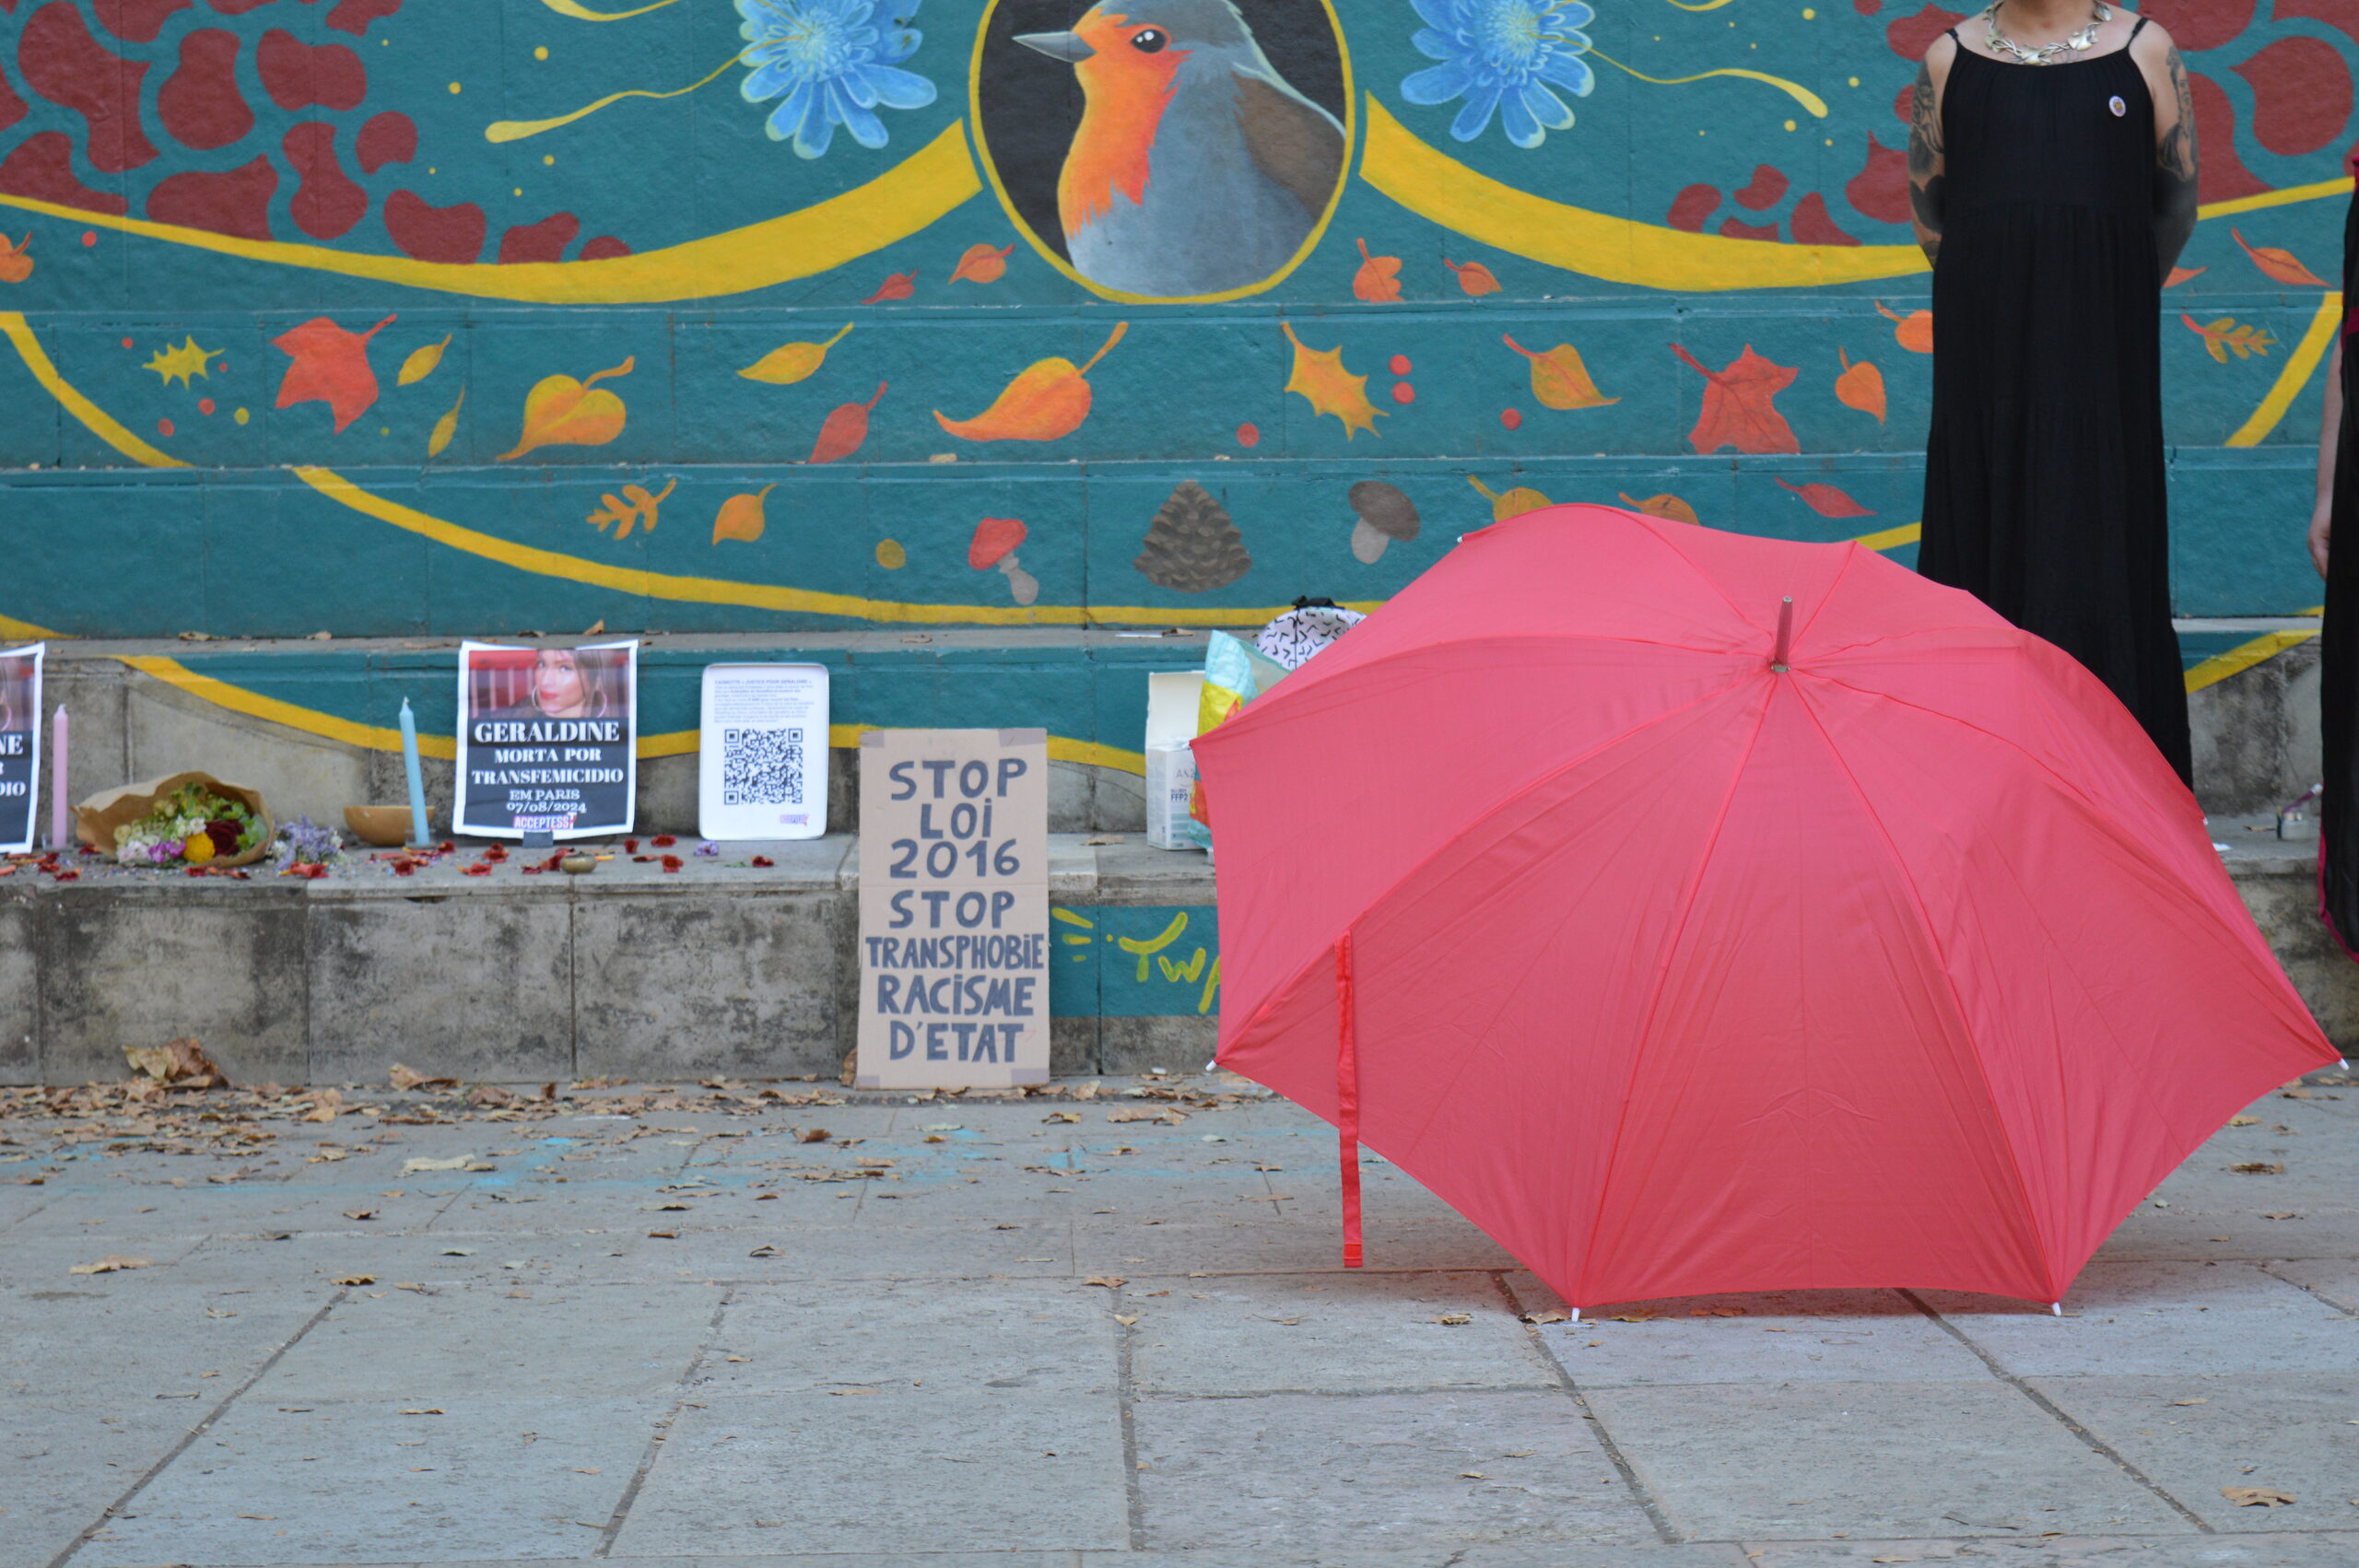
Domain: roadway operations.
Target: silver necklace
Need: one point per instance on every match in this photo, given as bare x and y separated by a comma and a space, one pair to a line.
2044, 53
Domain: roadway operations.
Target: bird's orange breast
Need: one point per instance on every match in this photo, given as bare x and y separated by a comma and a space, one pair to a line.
1123, 100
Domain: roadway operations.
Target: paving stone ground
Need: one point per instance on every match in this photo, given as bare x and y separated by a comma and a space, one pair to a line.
654, 1341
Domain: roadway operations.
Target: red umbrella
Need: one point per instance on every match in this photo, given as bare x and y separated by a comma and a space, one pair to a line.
1698, 913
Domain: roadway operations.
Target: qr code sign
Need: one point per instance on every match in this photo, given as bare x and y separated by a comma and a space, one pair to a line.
761, 768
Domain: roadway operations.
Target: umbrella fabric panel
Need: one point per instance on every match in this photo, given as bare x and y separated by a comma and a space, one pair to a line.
2118, 1015
1500, 989
1410, 752
1805, 1107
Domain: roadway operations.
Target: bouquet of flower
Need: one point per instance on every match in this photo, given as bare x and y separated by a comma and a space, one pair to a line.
192, 826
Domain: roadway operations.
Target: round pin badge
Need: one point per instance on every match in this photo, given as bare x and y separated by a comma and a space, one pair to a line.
2118, 108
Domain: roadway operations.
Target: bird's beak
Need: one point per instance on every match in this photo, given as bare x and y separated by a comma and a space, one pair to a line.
1066, 46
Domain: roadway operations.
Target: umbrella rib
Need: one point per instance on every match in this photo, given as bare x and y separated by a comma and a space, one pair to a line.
2089, 802
1654, 1002
1478, 818
1949, 980
1652, 526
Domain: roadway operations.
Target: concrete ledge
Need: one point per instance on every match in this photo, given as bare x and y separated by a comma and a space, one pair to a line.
635, 972
632, 972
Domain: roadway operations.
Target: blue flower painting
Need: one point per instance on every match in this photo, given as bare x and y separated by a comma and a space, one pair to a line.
833, 65
1502, 55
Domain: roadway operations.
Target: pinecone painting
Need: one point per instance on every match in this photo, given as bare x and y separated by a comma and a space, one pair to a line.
1191, 545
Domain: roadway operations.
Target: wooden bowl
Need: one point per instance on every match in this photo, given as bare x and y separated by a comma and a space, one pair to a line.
385, 827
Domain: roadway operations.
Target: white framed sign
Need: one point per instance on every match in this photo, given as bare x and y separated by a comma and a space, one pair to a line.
954, 908
19, 745
762, 752
547, 740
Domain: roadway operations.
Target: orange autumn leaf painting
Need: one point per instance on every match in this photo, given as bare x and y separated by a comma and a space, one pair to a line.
1559, 379
842, 431
1861, 386
1318, 375
1047, 401
741, 517
1670, 507
982, 263
1473, 277
1378, 281
562, 412
1829, 501
15, 265
1913, 332
329, 365
899, 286
1740, 408
2280, 265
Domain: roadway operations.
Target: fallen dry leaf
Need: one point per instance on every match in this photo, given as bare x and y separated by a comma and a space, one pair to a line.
811, 1135
1551, 1314
427, 1410
326, 1105
2191, 1401
112, 1264
360, 1213
849, 1393
455, 1163
1474, 1475
176, 1061
2244, 1122
1637, 1317
2257, 1496
663, 1235
1062, 1116
354, 1279
1111, 1282
1124, 1319
1452, 1317
1716, 1311
2259, 1168
2283, 1214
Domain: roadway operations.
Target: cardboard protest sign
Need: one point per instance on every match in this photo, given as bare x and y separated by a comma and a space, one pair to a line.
762, 753
19, 745
954, 908
546, 740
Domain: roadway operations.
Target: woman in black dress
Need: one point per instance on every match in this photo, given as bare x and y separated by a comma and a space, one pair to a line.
2338, 655
2051, 159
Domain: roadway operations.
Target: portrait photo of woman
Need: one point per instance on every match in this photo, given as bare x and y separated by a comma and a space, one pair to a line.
556, 683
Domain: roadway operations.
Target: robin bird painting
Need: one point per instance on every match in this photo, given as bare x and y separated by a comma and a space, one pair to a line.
1197, 168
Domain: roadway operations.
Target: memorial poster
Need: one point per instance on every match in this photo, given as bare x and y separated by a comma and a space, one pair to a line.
547, 740
19, 745
762, 752
954, 908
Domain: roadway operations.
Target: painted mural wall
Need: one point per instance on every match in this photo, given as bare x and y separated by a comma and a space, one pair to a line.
402, 316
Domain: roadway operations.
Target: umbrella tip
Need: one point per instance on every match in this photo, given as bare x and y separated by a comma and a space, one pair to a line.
1785, 634
2056, 1308
1577, 1315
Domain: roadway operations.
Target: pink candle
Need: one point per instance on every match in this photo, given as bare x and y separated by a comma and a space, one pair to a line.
57, 840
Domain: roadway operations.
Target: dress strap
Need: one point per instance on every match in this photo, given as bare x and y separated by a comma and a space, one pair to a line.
2135, 32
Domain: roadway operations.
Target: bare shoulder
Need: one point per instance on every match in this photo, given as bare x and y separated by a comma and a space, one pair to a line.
1939, 56
2152, 47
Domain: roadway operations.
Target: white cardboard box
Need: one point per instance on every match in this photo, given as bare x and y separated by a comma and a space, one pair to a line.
1172, 702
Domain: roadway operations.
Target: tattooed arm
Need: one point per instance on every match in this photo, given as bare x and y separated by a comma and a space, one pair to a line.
1926, 159
2175, 166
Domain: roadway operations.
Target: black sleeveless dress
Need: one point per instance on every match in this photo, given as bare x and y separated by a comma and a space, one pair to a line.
2044, 469
2339, 647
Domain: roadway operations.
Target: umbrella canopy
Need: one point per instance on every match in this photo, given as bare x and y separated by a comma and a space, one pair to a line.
1678, 968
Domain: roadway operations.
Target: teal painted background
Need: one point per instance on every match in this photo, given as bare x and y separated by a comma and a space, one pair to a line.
1149, 961
103, 542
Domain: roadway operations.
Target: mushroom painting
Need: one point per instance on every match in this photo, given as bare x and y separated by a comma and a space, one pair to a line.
1384, 514
995, 545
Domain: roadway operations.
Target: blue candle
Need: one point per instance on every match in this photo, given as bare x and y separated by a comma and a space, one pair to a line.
416, 783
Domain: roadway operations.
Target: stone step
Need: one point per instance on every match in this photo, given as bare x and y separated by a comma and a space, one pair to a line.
311, 723
635, 972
